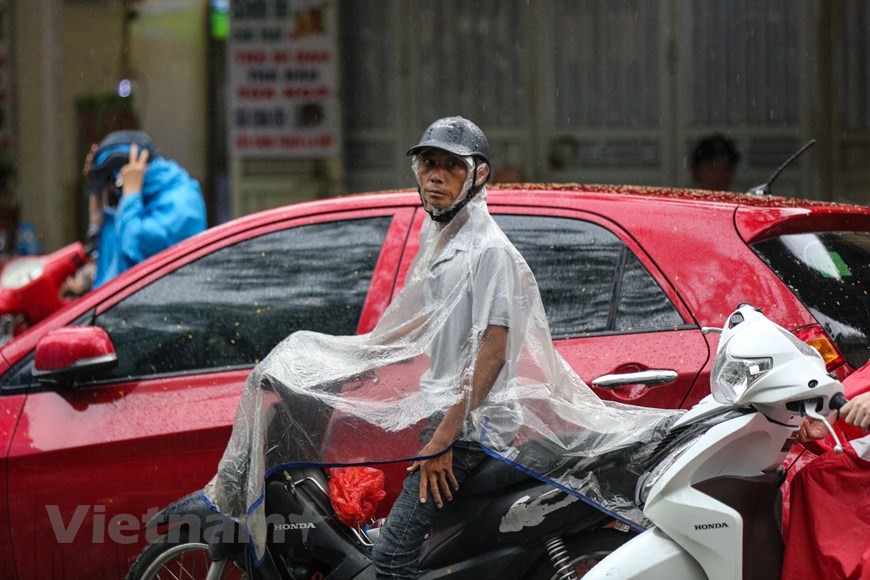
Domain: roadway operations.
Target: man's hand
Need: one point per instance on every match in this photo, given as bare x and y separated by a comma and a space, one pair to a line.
133, 174
857, 411
89, 158
811, 430
436, 475
79, 283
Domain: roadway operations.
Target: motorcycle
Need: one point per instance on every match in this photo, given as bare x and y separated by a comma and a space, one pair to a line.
502, 523
30, 287
714, 499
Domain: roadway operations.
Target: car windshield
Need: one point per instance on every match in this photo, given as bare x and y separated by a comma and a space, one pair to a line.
830, 273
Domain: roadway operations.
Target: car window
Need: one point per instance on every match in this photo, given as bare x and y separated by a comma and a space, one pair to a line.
231, 307
590, 281
830, 274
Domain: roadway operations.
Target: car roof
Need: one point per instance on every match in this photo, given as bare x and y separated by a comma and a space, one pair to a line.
552, 191
756, 217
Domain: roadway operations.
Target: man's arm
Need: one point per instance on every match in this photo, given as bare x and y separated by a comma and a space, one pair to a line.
436, 474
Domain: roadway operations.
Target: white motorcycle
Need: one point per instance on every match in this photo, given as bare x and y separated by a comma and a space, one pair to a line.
713, 496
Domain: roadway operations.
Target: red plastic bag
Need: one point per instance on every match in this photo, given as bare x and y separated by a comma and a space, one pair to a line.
355, 493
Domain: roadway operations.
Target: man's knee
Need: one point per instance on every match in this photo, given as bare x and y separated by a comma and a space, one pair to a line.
394, 559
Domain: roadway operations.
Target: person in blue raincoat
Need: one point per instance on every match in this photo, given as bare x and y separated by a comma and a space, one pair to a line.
140, 203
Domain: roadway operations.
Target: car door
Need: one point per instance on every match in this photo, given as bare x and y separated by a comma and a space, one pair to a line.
611, 311
10, 411
90, 463
612, 315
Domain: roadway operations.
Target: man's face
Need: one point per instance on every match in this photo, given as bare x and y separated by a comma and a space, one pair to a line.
441, 177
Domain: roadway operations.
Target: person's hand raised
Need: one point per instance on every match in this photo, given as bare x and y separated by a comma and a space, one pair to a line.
132, 175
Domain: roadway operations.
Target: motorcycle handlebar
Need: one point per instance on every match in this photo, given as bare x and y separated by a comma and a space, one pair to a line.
838, 401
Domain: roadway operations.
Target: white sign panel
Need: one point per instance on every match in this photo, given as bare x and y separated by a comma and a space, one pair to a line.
283, 79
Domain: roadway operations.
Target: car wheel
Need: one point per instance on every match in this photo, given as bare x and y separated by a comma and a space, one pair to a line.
164, 559
584, 552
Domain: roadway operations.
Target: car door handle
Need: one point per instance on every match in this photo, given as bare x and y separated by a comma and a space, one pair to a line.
651, 378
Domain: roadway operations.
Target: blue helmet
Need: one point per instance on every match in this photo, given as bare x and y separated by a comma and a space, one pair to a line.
112, 153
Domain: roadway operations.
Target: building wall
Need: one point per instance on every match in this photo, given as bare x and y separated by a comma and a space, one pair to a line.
517, 66
68, 50
169, 52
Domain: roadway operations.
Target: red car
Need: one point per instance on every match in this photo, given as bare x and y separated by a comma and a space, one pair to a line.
91, 448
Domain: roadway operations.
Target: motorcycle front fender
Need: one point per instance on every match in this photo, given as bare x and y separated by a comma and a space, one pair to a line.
651, 554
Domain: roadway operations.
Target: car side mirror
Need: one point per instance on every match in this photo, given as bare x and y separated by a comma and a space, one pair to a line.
68, 353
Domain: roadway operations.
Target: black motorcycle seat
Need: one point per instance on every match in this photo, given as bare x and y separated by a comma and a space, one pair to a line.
493, 474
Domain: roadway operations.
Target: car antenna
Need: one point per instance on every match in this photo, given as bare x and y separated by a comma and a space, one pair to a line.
764, 188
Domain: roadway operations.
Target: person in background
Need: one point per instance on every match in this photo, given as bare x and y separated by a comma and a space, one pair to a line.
139, 204
714, 162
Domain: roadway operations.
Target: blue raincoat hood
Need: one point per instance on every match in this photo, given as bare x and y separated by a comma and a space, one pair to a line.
169, 209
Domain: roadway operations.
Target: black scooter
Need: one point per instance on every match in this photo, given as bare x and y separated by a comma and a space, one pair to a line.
501, 524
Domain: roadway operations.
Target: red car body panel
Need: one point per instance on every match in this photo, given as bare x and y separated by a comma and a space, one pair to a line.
10, 412
691, 352
125, 450
685, 350
755, 224
128, 432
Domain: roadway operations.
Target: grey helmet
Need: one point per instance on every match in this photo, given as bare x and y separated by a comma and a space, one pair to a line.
455, 135
462, 138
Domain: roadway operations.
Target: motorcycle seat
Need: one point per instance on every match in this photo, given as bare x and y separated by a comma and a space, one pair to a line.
493, 474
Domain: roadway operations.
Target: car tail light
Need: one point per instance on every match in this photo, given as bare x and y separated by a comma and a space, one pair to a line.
816, 337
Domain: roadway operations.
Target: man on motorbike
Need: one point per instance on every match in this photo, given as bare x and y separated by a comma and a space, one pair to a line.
461, 363
451, 164
139, 202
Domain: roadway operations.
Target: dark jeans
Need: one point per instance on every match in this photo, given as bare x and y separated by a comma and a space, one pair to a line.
396, 552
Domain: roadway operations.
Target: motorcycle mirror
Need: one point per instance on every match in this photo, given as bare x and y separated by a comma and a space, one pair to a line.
67, 354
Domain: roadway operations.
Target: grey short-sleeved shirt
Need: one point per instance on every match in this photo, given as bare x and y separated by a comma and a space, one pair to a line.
486, 277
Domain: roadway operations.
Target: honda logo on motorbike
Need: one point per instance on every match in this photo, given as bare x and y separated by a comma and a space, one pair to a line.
711, 526
295, 526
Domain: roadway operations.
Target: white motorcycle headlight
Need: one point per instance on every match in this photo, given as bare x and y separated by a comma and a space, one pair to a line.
651, 477
21, 272
732, 376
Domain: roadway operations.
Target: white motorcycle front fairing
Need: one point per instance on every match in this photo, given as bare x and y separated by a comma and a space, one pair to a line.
716, 497
649, 556
693, 523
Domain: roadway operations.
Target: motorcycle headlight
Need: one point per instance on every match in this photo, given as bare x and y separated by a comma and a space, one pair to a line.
732, 376
651, 477
21, 272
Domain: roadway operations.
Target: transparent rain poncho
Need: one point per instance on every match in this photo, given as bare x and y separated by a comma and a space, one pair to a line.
345, 400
